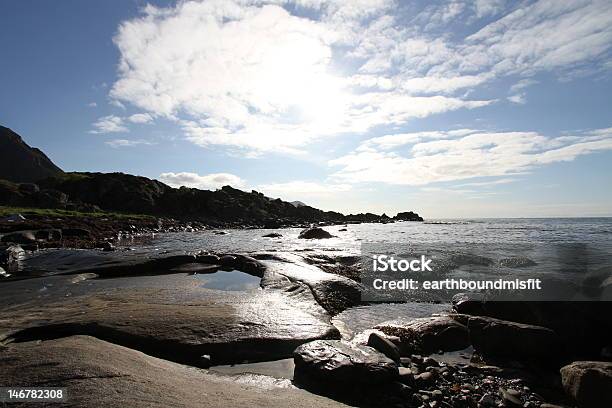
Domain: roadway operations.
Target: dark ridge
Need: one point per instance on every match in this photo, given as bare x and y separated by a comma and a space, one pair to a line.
21, 163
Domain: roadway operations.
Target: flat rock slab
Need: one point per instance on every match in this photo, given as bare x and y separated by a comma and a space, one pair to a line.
100, 374
173, 317
115, 263
339, 362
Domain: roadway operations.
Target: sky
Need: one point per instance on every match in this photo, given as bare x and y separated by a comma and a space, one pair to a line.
452, 109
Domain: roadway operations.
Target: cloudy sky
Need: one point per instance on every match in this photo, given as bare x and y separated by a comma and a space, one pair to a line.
484, 108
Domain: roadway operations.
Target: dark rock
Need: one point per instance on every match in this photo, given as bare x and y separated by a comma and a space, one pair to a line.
406, 376
340, 362
106, 246
49, 234
589, 383
314, 233
272, 235
21, 237
408, 216
428, 334
207, 258
384, 346
511, 398
75, 232
105, 375
494, 337
228, 262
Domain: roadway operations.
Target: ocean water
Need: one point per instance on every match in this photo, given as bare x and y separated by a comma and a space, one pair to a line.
495, 238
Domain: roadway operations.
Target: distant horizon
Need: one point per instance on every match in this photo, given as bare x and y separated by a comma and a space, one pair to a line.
452, 109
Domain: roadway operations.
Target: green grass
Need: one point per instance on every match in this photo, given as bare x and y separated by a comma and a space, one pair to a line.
51, 212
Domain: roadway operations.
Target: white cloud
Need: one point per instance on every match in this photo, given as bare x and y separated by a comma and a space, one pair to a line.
267, 76
140, 118
109, 124
116, 143
206, 182
488, 7
243, 74
92, 104
436, 157
520, 98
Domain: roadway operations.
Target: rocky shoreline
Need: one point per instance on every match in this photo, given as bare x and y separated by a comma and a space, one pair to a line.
77, 304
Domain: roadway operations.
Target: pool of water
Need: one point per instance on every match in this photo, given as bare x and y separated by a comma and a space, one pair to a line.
277, 368
228, 280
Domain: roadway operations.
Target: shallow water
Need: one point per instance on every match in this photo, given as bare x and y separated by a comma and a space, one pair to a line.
228, 280
356, 319
277, 368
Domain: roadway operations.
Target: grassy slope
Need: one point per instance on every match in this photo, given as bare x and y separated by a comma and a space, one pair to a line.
49, 212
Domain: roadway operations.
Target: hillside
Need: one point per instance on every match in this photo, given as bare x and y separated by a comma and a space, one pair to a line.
125, 193
21, 163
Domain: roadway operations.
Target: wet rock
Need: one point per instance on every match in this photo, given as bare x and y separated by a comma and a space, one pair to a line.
494, 337
385, 346
20, 237
228, 262
589, 383
428, 334
344, 363
314, 233
272, 235
3, 273
468, 303
101, 374
175, 319
335, 293
208, 259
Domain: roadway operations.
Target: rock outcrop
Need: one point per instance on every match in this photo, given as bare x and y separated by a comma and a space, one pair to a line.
98, 374
588, 383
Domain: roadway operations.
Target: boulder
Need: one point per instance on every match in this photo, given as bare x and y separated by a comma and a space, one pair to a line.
272, 235
427, 334
20, 237
314, 233
385, 346
501, 338
341, 362
589, 383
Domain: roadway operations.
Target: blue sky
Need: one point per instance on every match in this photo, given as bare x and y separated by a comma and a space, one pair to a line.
481, 108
